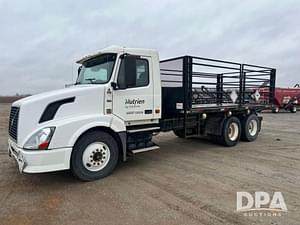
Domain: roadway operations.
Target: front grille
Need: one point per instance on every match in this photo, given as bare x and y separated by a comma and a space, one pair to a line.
13, 123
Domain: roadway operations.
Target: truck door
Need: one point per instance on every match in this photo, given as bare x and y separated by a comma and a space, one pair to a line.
133, 95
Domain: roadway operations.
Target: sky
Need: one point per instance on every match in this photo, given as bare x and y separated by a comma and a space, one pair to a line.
41, 40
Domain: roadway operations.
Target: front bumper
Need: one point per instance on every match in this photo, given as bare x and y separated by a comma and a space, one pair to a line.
40, 161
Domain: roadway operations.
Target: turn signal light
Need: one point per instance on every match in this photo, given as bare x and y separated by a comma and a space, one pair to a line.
44, 145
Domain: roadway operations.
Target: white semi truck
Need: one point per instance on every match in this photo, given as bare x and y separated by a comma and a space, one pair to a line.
122, 97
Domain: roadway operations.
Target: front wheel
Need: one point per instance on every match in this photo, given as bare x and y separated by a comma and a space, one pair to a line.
94, 156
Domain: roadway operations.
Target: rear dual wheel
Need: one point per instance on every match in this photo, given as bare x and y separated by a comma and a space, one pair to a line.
231, 132
234, 129
250, 128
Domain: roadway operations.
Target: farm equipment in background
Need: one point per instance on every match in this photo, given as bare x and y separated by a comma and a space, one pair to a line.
287, 98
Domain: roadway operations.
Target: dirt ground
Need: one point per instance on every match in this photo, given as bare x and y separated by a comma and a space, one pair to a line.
184, 182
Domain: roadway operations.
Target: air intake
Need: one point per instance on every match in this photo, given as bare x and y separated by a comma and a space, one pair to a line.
13, 123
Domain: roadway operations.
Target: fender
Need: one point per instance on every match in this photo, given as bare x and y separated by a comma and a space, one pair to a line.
69, 130
114, 123
109, 121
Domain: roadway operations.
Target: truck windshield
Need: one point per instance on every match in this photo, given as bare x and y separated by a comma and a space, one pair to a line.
97, 70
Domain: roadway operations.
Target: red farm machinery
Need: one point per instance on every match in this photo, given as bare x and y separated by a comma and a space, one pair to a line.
285, 98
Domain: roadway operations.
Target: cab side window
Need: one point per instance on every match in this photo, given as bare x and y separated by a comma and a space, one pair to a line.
141, 78
142, 72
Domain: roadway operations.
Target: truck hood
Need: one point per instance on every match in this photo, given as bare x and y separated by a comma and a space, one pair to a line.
86, 100
56, 94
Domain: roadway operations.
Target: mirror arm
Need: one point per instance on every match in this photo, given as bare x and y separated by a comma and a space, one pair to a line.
114, 85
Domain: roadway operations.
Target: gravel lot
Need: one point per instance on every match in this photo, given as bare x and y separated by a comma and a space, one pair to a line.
184, 182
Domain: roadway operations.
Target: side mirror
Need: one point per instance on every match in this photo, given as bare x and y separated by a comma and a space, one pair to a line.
127, 73
130, 70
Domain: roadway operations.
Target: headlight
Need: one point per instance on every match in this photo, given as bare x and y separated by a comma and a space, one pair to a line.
40, 140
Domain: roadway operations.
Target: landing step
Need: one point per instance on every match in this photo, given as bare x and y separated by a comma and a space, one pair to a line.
135, 151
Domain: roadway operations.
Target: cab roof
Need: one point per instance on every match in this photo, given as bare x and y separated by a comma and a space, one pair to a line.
119, 50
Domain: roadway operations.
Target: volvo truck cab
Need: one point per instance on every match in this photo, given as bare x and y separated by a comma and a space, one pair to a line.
91, 116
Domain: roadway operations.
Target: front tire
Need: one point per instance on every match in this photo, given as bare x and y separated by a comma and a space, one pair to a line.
94, 156
250, 128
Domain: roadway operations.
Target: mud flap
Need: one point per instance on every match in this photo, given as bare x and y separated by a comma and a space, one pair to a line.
260, 118
214, 125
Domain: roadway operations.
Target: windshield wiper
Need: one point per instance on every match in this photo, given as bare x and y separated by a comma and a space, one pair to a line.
92, 80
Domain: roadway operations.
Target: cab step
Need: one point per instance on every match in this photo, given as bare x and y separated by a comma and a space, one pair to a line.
144, 129
140, 150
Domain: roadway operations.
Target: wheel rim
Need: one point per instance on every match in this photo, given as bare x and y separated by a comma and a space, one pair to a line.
252, 127
96, 156
233, 131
